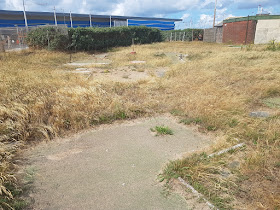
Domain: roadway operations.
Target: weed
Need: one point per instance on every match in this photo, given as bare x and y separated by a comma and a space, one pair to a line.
273, 45
189, 121
176, 112
233, 123
162, 130
211, 128
277, 165
273, 92
161, 55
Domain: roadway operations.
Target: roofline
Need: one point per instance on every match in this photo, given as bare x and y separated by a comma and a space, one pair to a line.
263, 17
86, 15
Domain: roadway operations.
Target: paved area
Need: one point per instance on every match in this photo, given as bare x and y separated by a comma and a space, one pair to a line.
112, 167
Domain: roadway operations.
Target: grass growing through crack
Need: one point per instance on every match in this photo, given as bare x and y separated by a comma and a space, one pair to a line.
162, 130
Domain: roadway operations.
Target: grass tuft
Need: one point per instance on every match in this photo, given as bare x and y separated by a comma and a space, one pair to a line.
162, 130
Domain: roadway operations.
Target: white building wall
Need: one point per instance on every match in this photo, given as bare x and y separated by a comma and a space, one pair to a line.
267, 30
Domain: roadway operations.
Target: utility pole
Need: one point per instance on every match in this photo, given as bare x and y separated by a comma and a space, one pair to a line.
63, 16
215, 13
71, 20
90, 23
54, 13
24, 14
110, 21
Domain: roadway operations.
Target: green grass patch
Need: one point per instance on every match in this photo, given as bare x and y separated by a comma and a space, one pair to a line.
162, 130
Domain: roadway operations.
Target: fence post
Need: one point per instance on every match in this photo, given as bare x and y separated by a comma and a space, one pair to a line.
192, 34
175, 37
2, 47
171, 37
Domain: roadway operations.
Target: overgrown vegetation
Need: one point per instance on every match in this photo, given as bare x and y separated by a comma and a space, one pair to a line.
40, 99
88, 39
273, 45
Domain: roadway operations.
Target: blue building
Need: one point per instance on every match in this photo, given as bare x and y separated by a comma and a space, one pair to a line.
16, 19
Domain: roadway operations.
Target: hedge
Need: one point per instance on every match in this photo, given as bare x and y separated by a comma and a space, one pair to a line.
91, 38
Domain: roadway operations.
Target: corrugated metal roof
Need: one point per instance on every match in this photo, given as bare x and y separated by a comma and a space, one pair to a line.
29, 13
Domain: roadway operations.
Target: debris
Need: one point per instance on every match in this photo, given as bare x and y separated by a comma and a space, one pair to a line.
226, 150
260, 114
138, 62
225, 173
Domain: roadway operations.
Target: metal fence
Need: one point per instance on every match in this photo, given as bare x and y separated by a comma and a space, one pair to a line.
14, 38
183, 35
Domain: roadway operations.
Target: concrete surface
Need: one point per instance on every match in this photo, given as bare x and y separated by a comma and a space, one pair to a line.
112, 167
267, 30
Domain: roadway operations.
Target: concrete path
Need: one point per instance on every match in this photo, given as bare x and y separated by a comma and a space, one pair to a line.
112, 167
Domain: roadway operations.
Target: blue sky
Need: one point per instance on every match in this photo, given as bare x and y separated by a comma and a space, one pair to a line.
196, 13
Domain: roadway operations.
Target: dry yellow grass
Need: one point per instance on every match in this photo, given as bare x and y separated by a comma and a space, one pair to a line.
217, 84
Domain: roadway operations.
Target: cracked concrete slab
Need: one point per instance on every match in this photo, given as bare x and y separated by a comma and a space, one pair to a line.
112, 167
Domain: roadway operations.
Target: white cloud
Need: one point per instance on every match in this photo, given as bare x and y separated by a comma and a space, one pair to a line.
206, 21
185, 16
117, 7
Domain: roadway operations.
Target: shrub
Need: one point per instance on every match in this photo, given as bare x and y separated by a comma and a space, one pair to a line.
53, 38
92, 38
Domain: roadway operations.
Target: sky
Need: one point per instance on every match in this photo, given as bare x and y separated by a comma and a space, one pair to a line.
195, 13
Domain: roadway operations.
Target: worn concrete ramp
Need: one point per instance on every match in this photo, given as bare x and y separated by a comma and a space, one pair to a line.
112, 167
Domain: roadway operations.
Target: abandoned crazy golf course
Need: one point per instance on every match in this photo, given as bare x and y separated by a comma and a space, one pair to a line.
175, 125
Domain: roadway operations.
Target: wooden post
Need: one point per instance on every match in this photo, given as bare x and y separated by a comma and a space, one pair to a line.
171, 37
2, 44
192, 34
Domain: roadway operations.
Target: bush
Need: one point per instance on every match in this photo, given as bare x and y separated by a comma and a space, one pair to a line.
53, 38
92, 38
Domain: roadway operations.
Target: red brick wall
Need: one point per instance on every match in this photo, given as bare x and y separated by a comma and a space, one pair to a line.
235, 32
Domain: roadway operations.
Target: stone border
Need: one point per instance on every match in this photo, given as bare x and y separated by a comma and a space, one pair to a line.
196, 193
226, 150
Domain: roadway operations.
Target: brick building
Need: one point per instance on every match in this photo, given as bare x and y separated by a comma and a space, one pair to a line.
245, 30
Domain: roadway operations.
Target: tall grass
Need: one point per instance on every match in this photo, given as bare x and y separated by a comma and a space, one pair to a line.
217, 85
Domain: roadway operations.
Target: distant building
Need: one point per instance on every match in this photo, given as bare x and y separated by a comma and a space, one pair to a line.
16, 18
258, 29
